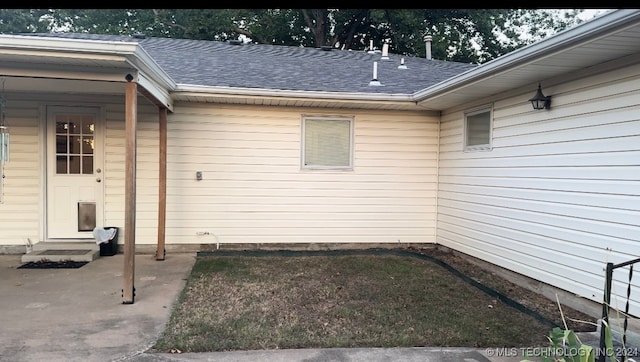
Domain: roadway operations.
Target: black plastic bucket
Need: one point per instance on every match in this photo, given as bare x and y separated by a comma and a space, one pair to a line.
110, 248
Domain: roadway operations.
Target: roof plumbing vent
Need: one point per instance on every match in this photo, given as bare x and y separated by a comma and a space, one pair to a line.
375, 81
385, 51
402, 65
427, 44
371, 51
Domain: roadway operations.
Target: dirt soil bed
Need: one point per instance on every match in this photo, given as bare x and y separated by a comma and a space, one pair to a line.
576, 320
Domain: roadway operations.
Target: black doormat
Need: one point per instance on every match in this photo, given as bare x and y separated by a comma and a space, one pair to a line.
53, 264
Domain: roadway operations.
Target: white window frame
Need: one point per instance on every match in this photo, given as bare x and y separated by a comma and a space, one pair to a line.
479, 147
303, 161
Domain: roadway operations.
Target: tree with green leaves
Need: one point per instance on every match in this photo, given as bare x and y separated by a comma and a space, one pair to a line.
23, 20
464, 35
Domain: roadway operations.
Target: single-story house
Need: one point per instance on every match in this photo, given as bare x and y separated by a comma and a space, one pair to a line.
208, 144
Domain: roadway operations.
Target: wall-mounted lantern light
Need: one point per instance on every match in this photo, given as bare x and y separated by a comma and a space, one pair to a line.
539, 101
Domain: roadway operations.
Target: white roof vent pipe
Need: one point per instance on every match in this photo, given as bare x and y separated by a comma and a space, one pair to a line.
402, 65
371, 51
427, 44
385, 51
375, 81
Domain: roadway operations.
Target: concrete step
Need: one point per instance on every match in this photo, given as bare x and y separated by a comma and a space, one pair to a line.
61, 255
66, 245
62, 251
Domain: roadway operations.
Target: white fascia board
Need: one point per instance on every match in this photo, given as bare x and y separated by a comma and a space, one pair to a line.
261, 92
562, 41
58, 54
152, 77
142, 61
67, 45
161, 94
72, 73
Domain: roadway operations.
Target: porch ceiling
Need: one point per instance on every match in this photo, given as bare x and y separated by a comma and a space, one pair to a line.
26, 72
33, 85
55, 72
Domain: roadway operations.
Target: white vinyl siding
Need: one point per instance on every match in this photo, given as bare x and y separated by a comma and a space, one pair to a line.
21, 213
147, 170
254, 191
20, 209
327, 142
558, 197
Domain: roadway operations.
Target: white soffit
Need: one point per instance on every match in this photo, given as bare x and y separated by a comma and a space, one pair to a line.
278, 97
611, 36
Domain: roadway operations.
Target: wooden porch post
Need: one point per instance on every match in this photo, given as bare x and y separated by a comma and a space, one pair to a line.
131, 93
162, 184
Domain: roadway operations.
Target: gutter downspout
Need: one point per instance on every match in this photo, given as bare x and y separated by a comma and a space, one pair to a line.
437, 178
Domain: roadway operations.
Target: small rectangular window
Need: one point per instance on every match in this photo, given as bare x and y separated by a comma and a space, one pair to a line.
327, 142
477, 130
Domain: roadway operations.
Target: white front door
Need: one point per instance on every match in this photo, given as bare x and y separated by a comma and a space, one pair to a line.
74, 172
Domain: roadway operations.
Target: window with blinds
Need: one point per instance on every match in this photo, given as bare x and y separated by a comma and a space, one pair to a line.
327, 142
477, 130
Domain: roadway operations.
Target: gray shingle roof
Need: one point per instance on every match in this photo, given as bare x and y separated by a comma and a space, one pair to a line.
215, 63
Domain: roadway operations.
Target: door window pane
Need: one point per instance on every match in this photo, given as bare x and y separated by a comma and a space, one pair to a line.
74, 164
61, 125
87, 165
87, 145
75, 124
61, 144
61, 164
74, 144
87, 125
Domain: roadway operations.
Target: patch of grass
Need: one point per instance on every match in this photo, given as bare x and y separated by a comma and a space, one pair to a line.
237, 269
269, 302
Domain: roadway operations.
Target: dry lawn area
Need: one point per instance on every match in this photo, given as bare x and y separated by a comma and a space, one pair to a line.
276, 301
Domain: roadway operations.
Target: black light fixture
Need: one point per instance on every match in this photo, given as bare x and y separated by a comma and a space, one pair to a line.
539, 101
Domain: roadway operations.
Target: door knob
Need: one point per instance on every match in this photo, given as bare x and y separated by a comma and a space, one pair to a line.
98, 170
98, 179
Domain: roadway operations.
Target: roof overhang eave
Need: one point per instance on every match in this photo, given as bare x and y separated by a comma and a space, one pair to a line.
255, 96
204, 91
142, 61
151, 76
526, 55
157, 83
